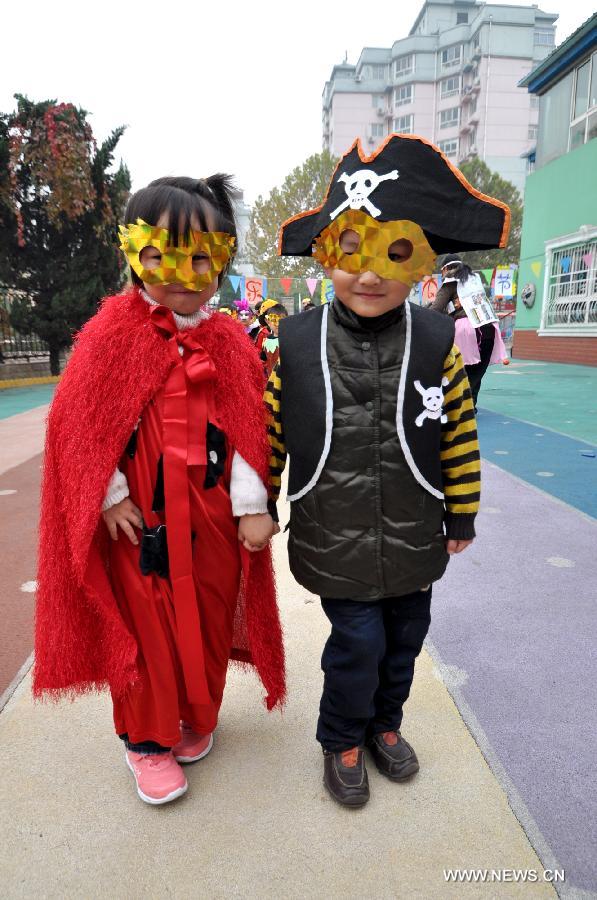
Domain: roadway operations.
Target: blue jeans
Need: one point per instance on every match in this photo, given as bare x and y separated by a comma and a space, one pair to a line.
368, 664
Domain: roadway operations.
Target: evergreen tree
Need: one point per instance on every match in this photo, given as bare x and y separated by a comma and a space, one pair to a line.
59, 209
489, 182
304, 188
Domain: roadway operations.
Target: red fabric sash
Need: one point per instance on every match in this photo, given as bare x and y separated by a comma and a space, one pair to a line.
185, 418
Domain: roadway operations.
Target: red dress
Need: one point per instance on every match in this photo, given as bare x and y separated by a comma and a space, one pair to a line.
153, 707
160, 645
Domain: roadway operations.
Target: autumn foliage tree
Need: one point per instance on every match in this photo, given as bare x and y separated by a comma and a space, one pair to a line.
60, 205
304, 188
489, 182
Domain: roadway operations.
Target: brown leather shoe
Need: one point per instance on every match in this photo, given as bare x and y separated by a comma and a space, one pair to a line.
345, 776
394, 757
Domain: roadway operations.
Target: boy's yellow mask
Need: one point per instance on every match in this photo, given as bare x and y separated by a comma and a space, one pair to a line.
371, 255
176, 265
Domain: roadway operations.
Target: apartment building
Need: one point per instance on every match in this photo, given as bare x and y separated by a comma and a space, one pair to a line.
454, 80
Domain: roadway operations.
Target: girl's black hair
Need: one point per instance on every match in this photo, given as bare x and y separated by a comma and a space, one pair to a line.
461, 271
184, 199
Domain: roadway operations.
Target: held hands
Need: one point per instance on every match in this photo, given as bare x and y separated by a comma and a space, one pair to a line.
124, 515
453, 546
254, 531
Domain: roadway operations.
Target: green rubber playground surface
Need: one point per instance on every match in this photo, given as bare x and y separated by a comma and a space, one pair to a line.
20, 399
552, 395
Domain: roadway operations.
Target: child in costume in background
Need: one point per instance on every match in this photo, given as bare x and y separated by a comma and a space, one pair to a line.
154, 564
371, 402
271, 314
480, 346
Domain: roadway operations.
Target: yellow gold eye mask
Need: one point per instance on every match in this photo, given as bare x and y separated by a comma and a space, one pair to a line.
374, 241
176, 264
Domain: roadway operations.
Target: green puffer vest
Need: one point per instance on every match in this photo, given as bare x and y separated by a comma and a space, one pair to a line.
367, 528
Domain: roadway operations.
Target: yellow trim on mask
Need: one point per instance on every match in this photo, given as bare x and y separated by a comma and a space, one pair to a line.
371, 255
177, 262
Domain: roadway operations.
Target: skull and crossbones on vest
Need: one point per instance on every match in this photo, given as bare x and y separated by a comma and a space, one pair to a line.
433, 398
358, 187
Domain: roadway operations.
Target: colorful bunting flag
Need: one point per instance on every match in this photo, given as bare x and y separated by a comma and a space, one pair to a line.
536, 268
234, 281
327, 290
286, 284
566, 263
311, 285
588, 259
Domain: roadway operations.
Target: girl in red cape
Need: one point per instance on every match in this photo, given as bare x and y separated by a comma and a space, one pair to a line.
154, 559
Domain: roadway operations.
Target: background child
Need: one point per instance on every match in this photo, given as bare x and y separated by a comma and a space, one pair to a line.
271, 314
371, 401
480, 346
158, 421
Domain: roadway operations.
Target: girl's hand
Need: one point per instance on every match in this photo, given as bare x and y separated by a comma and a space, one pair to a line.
254, 531
126, 516
457, 546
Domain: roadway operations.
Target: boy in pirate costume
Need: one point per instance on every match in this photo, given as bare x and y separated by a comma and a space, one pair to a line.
371, 402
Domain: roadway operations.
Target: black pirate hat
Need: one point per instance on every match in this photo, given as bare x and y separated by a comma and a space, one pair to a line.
406, 178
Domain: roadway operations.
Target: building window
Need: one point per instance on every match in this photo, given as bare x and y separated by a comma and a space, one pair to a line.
449, 117
378, 73
554, 121
534, 101
403, 66
377, 129
449, 148
451, 57
584, 104
378, 101
403, 95
477, 41
403, 124
571, 301
450, 86
532, 134
544, 37
462, 18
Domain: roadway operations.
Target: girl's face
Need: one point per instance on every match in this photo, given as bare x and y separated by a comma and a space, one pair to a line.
175, 296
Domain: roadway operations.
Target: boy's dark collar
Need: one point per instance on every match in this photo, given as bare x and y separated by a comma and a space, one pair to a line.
349, 319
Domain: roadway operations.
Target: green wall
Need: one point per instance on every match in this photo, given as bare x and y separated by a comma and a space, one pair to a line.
558, 199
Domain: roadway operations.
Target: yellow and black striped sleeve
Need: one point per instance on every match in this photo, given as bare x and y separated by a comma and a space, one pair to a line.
460, 459
275, 432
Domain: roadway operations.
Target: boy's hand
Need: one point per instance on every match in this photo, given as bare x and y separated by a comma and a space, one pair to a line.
457, 546
254, 531
126, 516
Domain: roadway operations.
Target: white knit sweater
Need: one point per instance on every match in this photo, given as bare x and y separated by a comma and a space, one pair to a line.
247, 491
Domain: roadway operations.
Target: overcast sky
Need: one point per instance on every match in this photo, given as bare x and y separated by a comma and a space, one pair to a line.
203, 86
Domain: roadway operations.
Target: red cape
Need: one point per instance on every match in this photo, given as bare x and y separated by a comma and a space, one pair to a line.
118, 364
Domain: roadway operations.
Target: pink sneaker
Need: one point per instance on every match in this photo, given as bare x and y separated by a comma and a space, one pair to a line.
159, 777
192, 746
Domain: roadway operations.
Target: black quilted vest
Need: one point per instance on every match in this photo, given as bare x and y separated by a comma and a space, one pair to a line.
365, 474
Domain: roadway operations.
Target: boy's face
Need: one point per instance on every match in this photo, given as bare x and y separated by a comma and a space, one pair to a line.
373, 264
366, 294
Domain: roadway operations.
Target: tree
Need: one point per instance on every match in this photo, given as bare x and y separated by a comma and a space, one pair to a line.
304, 188
488, 182
59, 209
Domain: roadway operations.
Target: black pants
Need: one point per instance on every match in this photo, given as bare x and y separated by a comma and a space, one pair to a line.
369, 664
476, 372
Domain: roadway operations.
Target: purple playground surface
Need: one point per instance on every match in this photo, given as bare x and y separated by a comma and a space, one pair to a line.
514, 628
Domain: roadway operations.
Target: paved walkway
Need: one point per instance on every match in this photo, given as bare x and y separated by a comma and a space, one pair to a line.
500, 716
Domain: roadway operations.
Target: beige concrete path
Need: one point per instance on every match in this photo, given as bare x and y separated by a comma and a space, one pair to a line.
21, 437
256, 821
